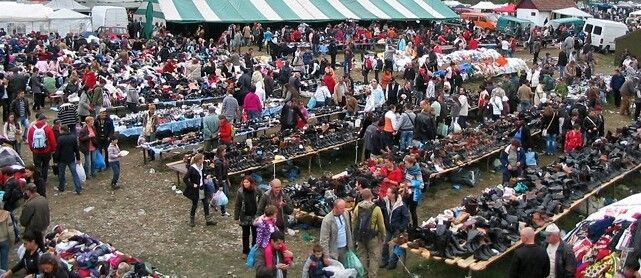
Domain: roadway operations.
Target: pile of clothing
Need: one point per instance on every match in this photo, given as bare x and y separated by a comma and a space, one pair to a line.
89, 257
475, 56
487, 224
607, 239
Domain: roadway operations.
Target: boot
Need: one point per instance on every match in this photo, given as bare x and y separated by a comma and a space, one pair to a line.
209, 221
192, 221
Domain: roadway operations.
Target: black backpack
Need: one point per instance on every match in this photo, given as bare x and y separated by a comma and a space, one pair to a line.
364, 231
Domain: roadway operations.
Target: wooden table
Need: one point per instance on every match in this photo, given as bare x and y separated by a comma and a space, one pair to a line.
474, 265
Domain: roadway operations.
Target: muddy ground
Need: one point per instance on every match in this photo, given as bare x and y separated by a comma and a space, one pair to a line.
148, 220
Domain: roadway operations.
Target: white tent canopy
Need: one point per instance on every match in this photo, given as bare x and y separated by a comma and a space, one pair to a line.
485, 5
25, 18
67, 4
452, 3
636, 13
571, 12
66, 21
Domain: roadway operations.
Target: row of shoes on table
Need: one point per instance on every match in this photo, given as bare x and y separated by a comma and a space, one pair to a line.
172, 142
457, 149
317, 195
485, 225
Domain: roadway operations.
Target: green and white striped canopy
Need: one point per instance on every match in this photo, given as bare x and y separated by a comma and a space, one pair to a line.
302, 10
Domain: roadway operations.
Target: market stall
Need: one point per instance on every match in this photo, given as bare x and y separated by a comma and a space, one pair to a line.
542, 197
603, 242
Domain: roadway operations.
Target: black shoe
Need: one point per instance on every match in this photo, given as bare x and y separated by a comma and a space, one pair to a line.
211, 223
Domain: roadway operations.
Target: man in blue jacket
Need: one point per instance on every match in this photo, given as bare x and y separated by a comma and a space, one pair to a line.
615, 83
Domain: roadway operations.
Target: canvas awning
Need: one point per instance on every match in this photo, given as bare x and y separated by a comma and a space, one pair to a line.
67, 4
238, 11
141, 12
509, 8
572, 12
485, 5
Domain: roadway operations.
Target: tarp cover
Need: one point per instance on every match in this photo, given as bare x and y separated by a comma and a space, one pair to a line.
301, 10
66, 21
67, 4
572, 12
485, 5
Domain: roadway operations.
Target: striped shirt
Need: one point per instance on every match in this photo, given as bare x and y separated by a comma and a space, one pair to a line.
68, 114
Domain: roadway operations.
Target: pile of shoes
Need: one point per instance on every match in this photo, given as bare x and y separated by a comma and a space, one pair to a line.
325, 110
485, 225
329, 134
191, 138
317, 195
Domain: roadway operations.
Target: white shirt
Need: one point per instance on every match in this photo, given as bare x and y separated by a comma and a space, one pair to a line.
260, 91
379, 96
497, 105
341, 235
505, 45
551, 249
464, 105
393, 118
322, 93
431, 89
370, 104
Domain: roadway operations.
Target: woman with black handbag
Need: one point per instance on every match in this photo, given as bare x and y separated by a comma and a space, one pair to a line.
245, 210
196, 190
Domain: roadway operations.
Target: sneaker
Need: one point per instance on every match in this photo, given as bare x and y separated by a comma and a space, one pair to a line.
226, 214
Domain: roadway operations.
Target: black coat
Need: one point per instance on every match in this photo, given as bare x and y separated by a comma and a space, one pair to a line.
391, 93
12, 194
67, 150
553, 123
193, 177
104, 128
424, 127
565, 262
399, 220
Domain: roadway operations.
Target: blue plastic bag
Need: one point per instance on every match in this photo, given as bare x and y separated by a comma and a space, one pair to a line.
311, 103
99, 164
251, 257
352, 261
220, 198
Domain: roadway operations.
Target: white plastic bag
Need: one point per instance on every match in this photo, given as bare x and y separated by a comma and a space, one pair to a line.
20, 250
81, 173
219, 198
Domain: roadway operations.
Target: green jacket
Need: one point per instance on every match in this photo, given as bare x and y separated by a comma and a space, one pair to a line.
96, 96
378, 222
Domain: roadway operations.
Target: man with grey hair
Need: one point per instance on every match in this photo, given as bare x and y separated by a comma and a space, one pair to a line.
530, 260
275, 196
335, 233
562, 260
211, 127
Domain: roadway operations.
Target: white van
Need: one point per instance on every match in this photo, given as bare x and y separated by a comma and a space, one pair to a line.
109, 17
604, 32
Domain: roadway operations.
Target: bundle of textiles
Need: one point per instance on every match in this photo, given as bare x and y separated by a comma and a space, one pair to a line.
607, 239
89, 257
481, 55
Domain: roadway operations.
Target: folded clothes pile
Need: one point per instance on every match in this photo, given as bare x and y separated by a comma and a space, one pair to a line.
481, 55
605, 240
89, 257
486, 225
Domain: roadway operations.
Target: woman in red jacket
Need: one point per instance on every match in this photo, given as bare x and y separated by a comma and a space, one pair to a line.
393, 177
573, 139
225, 131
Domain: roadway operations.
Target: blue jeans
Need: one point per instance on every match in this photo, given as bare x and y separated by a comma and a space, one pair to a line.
385, 258
550, 143
115, 168
61, 176
151, 153
347, 65
406, 139
319, 104
90, 159
4, 254
253, 114
24, 122
525, 105
561, 71
462, 121
16, 231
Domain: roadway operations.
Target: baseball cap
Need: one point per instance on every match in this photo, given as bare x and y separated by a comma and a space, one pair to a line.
552, 228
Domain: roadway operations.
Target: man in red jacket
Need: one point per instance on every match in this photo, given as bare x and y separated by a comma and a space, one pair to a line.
42, 142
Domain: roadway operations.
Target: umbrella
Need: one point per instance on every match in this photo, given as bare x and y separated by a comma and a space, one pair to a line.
149, 19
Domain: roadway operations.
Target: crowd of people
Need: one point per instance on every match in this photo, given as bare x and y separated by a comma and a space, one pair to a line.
401, 110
